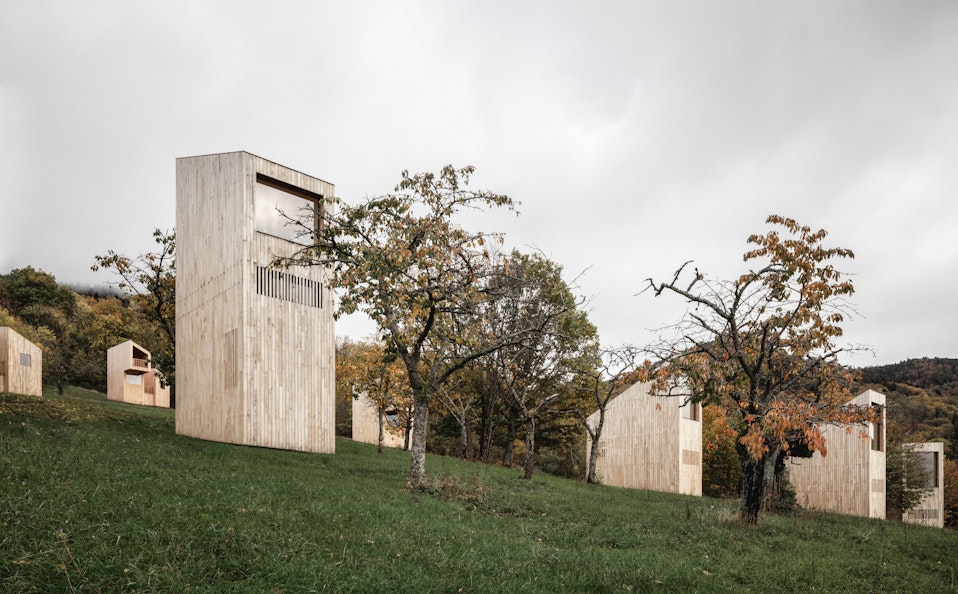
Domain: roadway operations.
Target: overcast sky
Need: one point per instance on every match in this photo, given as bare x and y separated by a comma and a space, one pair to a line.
636, 135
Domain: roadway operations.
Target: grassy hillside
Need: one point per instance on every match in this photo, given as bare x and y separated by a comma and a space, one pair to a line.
98, 496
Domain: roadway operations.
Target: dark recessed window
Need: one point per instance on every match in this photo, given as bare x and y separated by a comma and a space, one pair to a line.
878, 436
692, 411
285, 211
929, 468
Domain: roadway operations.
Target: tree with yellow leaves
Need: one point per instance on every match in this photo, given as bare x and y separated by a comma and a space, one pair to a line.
403, 259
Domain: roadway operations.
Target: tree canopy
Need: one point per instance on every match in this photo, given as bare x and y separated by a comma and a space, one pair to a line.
403, 259
764, 346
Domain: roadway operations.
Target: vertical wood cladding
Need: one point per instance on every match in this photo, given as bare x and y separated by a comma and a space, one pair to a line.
647, 443
930, 511
366, 425
850, 478
131, 377
255, 345
21, 364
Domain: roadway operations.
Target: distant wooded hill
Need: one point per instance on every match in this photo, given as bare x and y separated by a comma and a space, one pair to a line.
922, 397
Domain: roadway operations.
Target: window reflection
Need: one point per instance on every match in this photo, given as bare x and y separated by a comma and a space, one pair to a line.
273, 208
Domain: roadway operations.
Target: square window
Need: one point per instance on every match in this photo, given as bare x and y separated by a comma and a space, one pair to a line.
26, 360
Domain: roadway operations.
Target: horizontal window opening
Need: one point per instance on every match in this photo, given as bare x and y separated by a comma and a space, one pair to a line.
288, 287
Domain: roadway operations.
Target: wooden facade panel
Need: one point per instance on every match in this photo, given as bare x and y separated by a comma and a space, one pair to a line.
21, 364
255, 358
366, 425
850, 478
646, 444
142, 386
930, 511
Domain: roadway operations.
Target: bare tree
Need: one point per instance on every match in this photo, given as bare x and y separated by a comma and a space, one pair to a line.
614, 370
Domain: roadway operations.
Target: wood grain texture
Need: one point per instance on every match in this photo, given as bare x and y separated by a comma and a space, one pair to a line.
647, 444
254, 367
366, 425
930, 511
130, 359
850, 478
21, 364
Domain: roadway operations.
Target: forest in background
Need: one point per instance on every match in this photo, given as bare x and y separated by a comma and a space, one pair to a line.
74, 330
922, 397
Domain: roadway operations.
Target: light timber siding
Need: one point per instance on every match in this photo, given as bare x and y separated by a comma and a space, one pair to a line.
131, 377
254, 344
366, 425
930, 511
21, 364
647, 444
850, 478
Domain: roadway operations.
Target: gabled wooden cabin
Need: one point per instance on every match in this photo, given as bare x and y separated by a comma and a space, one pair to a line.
131, 377
366, 424
850, 479
255, 344
21, 364
650, 442
930, 511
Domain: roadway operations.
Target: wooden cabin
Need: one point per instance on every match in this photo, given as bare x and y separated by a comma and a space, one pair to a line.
850, 478
930, 511
650, 442
131, 377
255, 344
21, 364
366, 424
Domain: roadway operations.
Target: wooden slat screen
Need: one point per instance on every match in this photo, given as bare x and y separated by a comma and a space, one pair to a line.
288, 287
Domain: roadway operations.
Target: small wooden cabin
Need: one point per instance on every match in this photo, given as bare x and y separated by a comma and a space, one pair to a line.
366, 424
255, 344
850, 478
131, 377
650, 442
930, 511
21, 364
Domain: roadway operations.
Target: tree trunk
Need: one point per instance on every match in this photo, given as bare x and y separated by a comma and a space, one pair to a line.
753, 485
772, 475
510, 438
417, 454
486, 421
530, 447
408, 430
465, 440
382, 436
594, 449
420, 418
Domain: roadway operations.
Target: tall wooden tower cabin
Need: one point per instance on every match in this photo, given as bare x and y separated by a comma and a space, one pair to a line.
255, 344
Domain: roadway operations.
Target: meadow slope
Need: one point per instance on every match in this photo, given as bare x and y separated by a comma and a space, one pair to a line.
97, 496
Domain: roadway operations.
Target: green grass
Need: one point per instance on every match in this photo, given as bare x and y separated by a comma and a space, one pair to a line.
97, 496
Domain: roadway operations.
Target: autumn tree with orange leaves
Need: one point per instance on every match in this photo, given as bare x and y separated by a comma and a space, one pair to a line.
370, 371
763, 346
